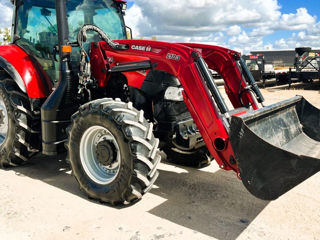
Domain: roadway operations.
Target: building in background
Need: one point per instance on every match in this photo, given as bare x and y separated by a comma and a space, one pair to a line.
278, 58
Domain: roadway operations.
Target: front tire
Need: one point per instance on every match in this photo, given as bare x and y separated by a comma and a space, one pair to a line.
112, 151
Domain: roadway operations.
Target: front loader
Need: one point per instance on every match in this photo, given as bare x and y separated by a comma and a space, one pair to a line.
67, 84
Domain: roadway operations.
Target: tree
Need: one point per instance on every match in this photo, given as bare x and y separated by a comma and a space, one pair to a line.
6, 35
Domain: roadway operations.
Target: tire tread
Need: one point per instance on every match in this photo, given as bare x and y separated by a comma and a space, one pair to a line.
142, 143
25, 143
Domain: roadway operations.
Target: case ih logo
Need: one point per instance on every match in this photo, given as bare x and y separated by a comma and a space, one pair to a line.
173, 56
141, 48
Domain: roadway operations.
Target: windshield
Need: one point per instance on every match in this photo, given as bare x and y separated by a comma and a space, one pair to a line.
36, 25
102, 13
37, 19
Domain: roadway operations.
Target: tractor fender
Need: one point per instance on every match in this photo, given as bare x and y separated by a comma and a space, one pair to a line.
25, 71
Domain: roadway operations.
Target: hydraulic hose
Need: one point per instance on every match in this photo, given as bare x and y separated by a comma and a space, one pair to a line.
82, 37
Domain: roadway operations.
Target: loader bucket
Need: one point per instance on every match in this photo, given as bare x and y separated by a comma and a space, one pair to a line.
277, 147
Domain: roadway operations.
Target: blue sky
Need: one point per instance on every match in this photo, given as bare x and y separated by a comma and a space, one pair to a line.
238, 24
290, 6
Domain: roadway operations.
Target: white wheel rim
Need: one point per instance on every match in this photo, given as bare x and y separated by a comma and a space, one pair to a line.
97, 172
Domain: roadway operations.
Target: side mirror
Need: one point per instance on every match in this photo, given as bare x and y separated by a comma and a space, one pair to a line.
129, 33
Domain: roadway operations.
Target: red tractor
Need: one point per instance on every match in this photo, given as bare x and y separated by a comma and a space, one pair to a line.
66, 82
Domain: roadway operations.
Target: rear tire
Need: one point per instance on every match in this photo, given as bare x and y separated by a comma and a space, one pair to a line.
112, 151
19, 126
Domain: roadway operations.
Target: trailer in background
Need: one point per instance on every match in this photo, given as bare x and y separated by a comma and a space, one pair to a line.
306, 67
258, 67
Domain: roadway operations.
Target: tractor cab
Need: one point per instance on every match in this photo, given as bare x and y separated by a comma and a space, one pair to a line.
36, 27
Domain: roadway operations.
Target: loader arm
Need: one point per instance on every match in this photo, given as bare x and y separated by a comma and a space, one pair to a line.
272, 149
225, 62
177, 60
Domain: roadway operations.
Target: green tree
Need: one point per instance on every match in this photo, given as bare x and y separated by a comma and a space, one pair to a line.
6, 35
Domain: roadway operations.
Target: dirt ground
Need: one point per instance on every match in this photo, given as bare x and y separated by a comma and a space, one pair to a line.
42, 201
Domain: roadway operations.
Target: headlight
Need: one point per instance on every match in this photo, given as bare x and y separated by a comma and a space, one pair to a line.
174, 94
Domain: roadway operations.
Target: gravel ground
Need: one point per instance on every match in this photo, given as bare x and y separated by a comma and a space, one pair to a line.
42, 201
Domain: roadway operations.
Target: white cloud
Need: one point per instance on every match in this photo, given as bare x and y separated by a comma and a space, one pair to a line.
307, 38
300, 20
242, 24
238, 24
133, 16
261, 31
234, 30
268, 46
281, 44
163, 17
5, 14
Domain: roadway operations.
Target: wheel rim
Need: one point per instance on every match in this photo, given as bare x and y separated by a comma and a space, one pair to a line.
100, 155
4, 122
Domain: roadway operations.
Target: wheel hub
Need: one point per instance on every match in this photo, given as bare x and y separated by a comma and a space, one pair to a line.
100, 154
106, 153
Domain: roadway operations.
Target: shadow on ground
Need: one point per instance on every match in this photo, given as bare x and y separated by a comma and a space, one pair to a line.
215, 204
51, 170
